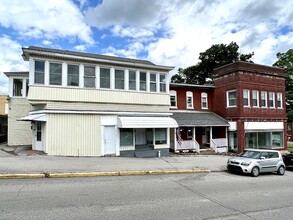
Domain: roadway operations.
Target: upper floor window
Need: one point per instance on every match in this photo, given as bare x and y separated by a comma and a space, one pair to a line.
231, 98
119, 79
162, 83
89, 77
153, 82
132, 80
39, 72
55, 74
264, 99
271, 99
255, 98
105, 78
17, 87
73, 75
142, 83
279, 100
246, 99
204, 100
189, 100
173, 99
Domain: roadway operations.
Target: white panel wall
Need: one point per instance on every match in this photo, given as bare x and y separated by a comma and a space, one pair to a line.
263, 125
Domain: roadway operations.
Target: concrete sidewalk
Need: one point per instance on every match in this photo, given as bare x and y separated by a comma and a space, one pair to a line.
24, 163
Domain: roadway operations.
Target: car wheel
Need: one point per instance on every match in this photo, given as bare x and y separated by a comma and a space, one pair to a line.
255, 171
281, 170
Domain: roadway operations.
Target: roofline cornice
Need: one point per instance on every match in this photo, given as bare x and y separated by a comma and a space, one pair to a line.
35, 53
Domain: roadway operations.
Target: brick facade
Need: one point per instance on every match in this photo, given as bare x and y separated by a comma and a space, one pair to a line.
240, 76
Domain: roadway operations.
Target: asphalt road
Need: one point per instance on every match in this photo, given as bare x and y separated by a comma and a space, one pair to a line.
217, 195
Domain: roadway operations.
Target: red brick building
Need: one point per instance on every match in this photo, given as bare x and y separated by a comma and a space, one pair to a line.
252, 98
244, 109
199, 127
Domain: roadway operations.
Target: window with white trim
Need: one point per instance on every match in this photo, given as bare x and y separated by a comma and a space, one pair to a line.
255, 98
17, 87
279, 100
271, 99
89, 77
73, 75
153, 82
189, 100
264, 102
39, 72
173, 99
132, 80
142, 81
105, 78
119, 79
246, 100
204, 100
231, 98
162, 83
55, 73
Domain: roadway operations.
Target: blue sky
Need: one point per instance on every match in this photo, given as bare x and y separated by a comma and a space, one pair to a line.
165, 32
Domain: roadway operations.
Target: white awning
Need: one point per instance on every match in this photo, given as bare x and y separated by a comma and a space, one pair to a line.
147, 122
35, 117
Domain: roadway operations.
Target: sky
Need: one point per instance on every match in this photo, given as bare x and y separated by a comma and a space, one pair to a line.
165, 32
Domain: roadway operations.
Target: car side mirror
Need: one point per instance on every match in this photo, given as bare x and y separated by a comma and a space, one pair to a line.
262, 158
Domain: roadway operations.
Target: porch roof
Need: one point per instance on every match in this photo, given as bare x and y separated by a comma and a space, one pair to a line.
199, 119
35, 117
146, 122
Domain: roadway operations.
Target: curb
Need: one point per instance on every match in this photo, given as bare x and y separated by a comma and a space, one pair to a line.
102, 173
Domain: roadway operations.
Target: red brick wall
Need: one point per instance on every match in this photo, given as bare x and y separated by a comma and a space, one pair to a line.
241, 81
181, 97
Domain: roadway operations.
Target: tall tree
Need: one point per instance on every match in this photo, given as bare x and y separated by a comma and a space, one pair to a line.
217, 55
285, 60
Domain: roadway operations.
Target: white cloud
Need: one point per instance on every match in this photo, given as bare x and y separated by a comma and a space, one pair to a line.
131, 51
80, 47
46, 42
195, 26
131, 12
42, 19
10, 60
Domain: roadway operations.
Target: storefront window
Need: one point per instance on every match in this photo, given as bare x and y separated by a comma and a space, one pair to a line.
264, 139
161, 135
126, 137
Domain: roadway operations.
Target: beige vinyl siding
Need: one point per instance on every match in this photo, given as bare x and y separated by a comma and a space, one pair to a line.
79, 106
42, 93
73, 135
19, 132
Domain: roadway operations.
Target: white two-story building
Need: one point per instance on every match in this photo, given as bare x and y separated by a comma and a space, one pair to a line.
81, 104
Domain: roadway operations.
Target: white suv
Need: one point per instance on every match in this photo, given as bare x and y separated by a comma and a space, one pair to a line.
256, 162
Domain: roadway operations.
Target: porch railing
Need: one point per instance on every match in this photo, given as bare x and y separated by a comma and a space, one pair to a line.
188, 145
219, 145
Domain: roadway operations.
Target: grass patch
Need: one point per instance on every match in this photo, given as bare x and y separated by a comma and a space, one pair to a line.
290, 147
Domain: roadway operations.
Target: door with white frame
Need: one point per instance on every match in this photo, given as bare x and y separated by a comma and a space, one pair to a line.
39, 135
109, 140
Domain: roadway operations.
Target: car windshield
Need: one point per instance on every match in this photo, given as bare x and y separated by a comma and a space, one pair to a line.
250, 154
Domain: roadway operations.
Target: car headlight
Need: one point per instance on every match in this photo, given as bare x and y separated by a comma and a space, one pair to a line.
246, 163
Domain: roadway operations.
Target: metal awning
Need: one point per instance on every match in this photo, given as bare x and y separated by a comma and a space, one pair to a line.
35, 117
146, 122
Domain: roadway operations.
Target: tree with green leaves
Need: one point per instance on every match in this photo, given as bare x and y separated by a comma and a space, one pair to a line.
217, 55
285, 60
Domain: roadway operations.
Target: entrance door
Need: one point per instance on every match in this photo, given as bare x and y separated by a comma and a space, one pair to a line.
39, 136
140, 136
109, 140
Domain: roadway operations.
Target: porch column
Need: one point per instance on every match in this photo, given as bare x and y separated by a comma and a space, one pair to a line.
193, 136
211, 135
